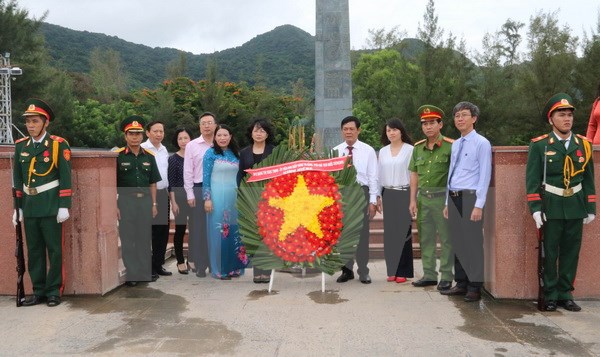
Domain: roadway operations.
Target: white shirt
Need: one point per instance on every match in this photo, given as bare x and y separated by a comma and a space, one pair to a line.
393, 170
162, 161
364, 160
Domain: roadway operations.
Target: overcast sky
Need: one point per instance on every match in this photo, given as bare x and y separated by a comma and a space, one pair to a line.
205, 26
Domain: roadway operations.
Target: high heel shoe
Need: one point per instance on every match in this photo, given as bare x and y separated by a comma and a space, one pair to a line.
182, 268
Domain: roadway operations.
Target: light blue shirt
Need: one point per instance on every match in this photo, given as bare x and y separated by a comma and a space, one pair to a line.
473, 170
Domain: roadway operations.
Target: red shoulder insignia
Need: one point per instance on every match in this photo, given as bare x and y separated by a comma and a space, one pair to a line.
59, 139
149, 152
448, 140
420, 142
22, 139
583, 138
535, 140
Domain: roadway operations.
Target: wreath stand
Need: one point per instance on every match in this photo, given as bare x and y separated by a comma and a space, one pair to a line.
303, 275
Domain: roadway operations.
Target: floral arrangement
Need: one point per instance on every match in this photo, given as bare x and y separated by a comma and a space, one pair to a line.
304, 218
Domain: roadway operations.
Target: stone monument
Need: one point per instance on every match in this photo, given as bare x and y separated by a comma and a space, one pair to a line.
333, 83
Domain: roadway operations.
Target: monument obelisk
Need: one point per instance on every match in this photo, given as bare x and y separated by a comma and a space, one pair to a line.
333, 81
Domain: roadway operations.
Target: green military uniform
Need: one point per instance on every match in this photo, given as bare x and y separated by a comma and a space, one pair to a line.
568, 198
42, 178
135, 173
431, 166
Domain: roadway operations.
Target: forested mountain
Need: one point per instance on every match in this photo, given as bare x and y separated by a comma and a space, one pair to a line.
273, 59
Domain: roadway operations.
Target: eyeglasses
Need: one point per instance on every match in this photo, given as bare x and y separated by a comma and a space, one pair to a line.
461, 115
206, 123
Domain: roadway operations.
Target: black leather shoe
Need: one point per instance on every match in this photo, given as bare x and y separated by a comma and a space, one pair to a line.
457, 290
154, 277
162, 271
201, 273
346, 275
550, 305
444, 285
569, 305
365, 279
53, 301
424, 282
34, 300
131, 283
473, 296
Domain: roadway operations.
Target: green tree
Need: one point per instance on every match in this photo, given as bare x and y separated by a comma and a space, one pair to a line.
19, 36
108, 75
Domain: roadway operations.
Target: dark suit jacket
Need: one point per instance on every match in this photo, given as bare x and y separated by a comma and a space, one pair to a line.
247, 160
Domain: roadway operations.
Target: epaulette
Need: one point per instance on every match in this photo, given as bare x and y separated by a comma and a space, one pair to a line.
535, 140
59, 139
22, 139
583, 137
420, 142
149, 152
448, 140
118, 149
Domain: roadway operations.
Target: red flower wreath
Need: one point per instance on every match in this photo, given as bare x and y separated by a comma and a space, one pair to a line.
300, 215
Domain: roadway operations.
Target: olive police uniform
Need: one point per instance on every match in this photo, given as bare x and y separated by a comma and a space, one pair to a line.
568, 198
431, 166
135, 173
42, 178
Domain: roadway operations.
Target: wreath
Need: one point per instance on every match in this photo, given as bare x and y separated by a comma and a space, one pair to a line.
301, 219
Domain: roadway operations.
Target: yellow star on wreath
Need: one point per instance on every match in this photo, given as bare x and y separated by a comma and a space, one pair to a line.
301, 208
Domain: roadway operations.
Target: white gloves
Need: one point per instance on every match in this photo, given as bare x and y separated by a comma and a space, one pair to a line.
15, 216
63, 215
539, 219
589, 218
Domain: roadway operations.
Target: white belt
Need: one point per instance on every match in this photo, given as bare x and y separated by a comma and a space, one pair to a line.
564, 192
32, 191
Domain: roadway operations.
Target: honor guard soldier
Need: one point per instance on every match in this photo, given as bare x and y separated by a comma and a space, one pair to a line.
429, 174
561, 197
137, 175
42, 178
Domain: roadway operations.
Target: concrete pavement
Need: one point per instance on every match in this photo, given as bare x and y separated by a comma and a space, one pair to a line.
183, 315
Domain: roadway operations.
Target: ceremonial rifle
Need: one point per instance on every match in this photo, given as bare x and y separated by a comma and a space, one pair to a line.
541, 301
19, 254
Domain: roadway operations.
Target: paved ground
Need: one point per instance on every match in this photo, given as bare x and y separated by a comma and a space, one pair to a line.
184, 315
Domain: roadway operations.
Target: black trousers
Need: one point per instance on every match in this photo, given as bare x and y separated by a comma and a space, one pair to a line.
397, 233
466, 237
181, 222
198, 243
160, 230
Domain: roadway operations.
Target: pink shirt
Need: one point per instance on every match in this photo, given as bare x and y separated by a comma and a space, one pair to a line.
192, 164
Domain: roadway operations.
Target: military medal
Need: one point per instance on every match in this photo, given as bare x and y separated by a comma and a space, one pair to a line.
46, 156
46, 159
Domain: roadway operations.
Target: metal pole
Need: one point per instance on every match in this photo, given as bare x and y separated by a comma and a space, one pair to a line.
7, 73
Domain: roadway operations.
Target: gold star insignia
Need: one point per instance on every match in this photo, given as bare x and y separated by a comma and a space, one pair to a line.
301, 208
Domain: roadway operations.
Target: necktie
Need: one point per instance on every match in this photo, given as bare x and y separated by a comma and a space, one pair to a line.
564, 142
460, 146
36, 145
349, 150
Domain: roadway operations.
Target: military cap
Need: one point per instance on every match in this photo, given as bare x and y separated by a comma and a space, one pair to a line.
558, 101
38, 107
134, 123
430, 112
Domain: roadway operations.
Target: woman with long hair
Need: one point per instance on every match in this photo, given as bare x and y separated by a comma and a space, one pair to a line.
394, 182
179, 205
220, 167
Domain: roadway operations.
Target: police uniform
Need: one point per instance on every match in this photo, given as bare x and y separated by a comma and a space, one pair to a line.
567, 199
135, 173
42, 178
431, 166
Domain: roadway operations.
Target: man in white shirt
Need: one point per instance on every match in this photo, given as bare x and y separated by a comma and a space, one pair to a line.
192, 182
155, 131
364, 160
